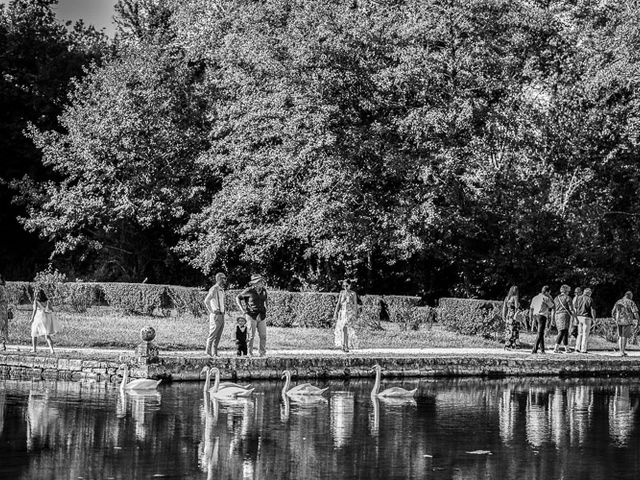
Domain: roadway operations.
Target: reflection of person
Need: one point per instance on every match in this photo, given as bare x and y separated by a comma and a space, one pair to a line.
345, 315
43, 321
241, 336
253, 303
214, 303
586, 315
4, 314
541, 308
564, 312
512, 327
384, 310
625, 313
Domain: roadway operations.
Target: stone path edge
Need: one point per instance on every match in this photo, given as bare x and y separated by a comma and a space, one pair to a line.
103, 365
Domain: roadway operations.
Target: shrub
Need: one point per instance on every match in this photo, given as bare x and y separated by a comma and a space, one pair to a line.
187, 299
137, 298
472, 317
606, 328
413, 317
18, 293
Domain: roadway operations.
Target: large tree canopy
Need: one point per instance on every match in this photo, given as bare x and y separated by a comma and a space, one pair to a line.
38, 58
421, 146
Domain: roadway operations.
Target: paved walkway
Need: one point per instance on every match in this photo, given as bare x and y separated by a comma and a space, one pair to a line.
366, 352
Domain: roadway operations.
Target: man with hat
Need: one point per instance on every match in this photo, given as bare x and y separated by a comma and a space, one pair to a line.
253, 303
214, 303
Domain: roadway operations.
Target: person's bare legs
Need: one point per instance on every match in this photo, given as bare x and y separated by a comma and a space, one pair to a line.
345, 339
33, 343
48, 339
622, 343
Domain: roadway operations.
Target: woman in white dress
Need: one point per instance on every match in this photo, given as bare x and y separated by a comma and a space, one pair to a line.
43, 320
345, 316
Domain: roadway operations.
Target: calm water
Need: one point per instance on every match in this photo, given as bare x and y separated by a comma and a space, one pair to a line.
465, 429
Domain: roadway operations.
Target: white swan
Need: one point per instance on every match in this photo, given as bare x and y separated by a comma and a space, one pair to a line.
397, 392
301, 389
207, 382
139, 383
227, 392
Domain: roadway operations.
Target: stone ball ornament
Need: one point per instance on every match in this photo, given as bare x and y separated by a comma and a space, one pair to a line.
147, 334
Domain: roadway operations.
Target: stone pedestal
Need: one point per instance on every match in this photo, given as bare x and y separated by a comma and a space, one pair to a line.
147, 352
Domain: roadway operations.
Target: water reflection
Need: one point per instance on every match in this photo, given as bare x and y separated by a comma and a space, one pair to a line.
535, 429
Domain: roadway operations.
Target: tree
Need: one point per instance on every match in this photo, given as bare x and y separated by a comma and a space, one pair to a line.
39, 58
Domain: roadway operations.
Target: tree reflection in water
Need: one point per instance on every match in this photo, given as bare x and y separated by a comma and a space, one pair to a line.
534, 428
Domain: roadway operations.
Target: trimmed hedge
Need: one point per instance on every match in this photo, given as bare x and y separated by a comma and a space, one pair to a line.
286, 309
472, 317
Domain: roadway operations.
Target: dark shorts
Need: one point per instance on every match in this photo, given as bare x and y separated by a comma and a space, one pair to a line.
624, 331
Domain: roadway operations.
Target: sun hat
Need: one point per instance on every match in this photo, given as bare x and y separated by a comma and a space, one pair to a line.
255, 278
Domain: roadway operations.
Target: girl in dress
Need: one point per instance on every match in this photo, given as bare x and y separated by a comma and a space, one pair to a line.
511, 324
345, 316
43, 321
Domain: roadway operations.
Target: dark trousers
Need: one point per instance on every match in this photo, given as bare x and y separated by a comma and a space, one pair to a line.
242, 348
563, 337
541, 322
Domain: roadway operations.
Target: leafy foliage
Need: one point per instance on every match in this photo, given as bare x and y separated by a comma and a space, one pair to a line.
439, 148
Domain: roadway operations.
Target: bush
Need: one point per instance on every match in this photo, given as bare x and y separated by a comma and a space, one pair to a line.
19, 293
137, 298
606, 328
286, 309
472, 317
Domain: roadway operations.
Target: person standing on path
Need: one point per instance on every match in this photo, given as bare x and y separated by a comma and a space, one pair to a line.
512, 327
253, 303
563, 315
540, 311
43, 321
215, 305
574, 331
345, 315
4, 314
586, 315
625, 313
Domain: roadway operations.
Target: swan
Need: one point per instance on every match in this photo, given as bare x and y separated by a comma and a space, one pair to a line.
227, 392
397, 392
207, 383
301, 389
139, 383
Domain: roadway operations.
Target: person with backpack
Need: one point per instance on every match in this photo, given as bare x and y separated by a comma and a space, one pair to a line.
625, 313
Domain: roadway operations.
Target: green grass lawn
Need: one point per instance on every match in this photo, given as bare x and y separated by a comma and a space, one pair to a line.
104, 328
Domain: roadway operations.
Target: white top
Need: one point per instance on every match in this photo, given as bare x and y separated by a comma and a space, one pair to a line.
217, 298
541, 304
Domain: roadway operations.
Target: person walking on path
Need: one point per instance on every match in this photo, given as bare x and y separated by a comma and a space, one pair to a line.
563, 315
253, 303
215, 305
4, 314
586, 315
43, 320
540, 311
575, 331
512, 327
625, 313
345, 315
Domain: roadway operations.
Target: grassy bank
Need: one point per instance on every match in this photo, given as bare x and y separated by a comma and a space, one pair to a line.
104, 328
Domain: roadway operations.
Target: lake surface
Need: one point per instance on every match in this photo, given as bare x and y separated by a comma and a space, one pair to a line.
455, 429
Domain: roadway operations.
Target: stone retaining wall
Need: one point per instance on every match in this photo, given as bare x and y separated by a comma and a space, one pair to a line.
189, 368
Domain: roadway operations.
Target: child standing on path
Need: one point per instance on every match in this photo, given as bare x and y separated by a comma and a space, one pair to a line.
241, 336
43, 321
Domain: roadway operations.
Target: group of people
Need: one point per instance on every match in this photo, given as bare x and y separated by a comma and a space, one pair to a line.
253, 302
575, 315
